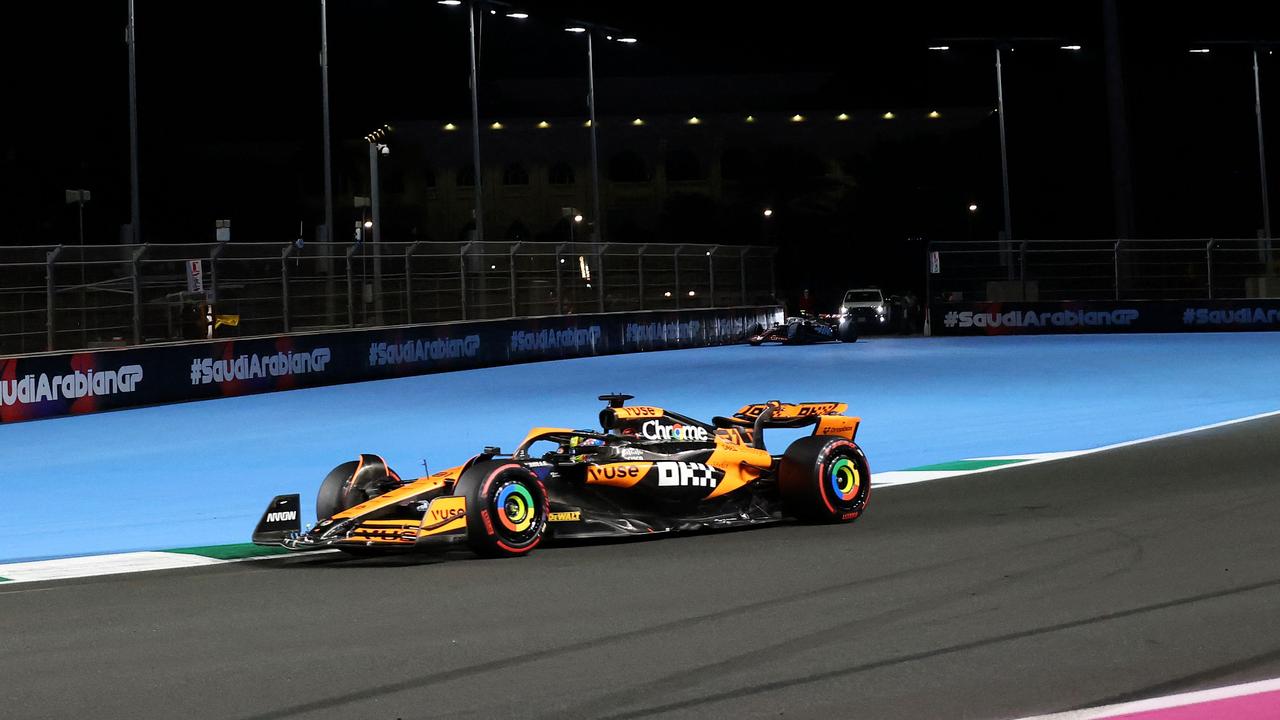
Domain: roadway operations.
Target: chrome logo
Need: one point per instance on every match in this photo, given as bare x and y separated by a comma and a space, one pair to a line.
845, 479
515, 506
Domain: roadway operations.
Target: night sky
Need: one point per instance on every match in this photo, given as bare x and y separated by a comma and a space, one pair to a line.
247, 72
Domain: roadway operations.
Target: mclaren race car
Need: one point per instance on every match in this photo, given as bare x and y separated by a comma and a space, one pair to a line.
646, 471
806, 330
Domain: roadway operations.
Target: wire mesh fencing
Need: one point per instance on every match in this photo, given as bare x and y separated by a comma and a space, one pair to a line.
70, 297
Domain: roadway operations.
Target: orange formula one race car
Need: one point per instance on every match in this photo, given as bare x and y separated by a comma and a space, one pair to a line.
648, 470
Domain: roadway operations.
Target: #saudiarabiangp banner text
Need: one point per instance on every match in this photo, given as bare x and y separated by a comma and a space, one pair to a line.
53, 384
1134, 316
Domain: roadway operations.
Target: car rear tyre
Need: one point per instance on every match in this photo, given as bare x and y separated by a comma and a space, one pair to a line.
825, 479
506, 508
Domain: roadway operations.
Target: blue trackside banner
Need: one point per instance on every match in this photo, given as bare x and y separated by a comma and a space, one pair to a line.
54, 384
1134, 316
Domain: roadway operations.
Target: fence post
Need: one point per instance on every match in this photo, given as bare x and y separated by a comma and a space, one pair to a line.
137, 293
928, 287
351, 301
773, 275
213, 270
1115, 260
284, 284
559, 281
711, 275
1208, 264
640, 272
408, 280
600, 248
511, 263
675, 255
462, 276
51, 258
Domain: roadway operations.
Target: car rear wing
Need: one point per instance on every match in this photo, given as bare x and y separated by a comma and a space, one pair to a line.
826, 417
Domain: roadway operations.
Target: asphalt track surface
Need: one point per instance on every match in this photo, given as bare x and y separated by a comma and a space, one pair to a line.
1133, 572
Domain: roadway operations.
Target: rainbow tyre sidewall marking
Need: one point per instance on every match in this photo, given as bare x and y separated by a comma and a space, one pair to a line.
519, 510
845, 480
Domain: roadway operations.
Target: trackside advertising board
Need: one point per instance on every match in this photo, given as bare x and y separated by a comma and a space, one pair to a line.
42, 386
1134, 316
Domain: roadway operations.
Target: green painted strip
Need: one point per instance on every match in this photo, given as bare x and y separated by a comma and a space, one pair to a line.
967, 464
5, 580
230, 552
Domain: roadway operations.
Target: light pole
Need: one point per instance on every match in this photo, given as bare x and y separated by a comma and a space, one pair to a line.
475, 112
597, 233
1004, 152
324, 90
1262, 159
375, 149
1265, 241
1005, 43
135, 221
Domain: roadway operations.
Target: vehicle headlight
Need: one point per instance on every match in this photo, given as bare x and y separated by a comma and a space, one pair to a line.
879, 309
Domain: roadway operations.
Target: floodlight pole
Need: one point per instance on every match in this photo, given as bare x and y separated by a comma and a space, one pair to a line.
475, 126
324, 89
1004, 153
135, 222
1262, 162
598, 221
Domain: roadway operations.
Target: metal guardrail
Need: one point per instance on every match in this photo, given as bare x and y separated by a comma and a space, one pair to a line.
69, 297
1066, 270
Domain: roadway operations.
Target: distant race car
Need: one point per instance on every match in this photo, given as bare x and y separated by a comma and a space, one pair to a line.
805, 330
648, 470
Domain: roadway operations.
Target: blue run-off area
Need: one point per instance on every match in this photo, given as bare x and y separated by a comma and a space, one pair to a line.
201, 473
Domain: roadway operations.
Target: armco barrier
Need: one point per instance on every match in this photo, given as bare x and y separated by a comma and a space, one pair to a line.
1132, 316
42, 386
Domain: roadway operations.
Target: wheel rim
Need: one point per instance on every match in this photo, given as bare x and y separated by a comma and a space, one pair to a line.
519, 514
846, 481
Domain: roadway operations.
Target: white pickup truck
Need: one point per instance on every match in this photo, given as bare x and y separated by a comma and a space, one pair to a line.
867, 308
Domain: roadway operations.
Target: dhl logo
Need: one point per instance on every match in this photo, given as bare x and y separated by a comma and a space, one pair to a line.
784, 411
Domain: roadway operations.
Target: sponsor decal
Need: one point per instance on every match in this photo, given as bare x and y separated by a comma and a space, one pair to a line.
630, 453
572, 338
1122, 317
654, 430
634, 412
564, 516
442, 514
33, 388
417, 351
1242, 316
205, 371
282, 516
684, 474
659, 331
616, 473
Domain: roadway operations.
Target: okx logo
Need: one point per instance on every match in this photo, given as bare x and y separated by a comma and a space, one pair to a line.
685, 474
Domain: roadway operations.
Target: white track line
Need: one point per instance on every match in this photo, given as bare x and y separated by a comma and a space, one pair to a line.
1163, 703
892, 478
89, 565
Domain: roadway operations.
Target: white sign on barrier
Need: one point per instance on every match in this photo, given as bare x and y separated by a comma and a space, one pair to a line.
935, 263
195, 276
